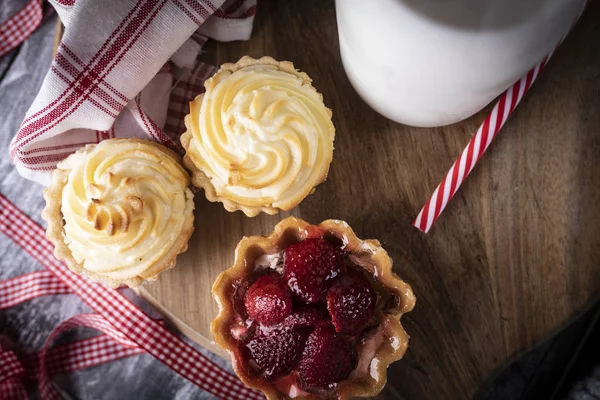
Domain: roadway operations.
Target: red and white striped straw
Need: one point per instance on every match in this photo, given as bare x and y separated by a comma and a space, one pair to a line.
480, 142
477, 146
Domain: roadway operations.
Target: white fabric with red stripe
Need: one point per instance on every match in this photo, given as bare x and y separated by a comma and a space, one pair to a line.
108, 77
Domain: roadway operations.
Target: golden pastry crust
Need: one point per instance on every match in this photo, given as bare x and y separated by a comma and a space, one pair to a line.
200, 177
53, 215
367, 254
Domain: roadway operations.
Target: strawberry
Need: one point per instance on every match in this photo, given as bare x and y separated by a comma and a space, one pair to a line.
309, 315
268, 300
328, 358
351, 303
311, 266
277, 350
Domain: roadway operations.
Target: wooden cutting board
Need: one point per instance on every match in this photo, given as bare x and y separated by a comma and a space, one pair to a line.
513, 258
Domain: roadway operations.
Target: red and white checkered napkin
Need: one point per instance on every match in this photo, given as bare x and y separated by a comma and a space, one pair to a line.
20, 25
132, 330
111, 76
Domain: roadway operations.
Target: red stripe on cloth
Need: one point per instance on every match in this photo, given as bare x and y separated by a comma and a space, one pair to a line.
187, 12
26, 287
199, 8
10, 366
153, 129
250, 12
210, 5
90, 99
182, 93
72, 146
17, 28
130, 34
70, 69
123, 315
77, 60
82, 320
12, 390
106, 62
89, 353
59, 98
11, 374
82, 354
65, 64
78, 355
46, 158
199, 38
233, 7
49, 167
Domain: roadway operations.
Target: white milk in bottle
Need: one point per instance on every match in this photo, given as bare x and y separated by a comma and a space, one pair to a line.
436, 62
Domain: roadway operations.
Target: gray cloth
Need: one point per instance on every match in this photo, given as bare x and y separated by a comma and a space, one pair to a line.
28, 325
587, 389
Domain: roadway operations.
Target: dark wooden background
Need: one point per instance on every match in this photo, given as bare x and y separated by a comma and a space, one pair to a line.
515, 256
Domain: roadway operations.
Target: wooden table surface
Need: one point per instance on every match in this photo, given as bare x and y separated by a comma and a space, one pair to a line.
514, 257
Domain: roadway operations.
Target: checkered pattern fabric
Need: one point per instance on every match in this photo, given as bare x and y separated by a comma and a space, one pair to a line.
117, 317
82, 355
11, 372
110, 346
182, 93
18, 28
25, 287
78, 355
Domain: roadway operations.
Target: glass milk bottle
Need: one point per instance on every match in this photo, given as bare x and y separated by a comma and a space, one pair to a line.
436, 62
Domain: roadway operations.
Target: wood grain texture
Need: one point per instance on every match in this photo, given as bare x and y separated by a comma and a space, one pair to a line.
517, 252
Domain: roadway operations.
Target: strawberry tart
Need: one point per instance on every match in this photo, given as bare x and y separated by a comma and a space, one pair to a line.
312, 312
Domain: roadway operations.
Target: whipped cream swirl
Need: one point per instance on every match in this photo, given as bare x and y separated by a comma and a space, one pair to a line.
125, 205
261, 134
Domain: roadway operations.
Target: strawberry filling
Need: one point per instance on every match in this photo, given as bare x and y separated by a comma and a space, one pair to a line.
351, 303
268, 300
311, 266
327, 358
304, 320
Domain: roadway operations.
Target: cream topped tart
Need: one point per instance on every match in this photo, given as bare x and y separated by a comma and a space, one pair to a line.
119, 211
312, 312
260, 138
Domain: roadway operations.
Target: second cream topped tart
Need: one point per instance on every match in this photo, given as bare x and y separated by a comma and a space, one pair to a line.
119, 211
260, 138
